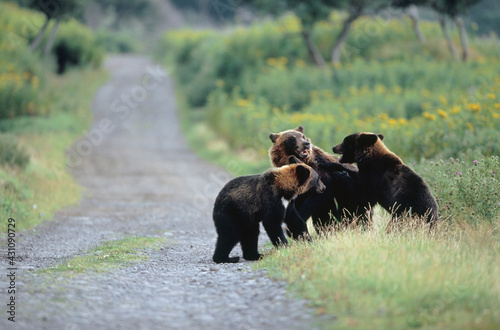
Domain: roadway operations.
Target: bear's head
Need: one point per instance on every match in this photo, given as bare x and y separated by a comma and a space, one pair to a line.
289, 143
297, 179
355, 146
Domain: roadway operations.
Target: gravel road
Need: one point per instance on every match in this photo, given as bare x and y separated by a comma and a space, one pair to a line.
142, 179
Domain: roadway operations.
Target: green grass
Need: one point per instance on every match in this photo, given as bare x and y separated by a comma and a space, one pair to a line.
409, 279
33, 194
109, 255
209, 146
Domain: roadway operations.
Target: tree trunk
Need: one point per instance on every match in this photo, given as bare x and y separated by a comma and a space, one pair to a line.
313, 51
463, 38
39, 37
344, 33
52, 37
449, 42
412, 13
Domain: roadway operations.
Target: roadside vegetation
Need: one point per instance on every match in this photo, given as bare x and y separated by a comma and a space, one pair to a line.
440, 115
37, 120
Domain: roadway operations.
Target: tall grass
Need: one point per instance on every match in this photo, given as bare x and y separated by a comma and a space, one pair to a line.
409, 279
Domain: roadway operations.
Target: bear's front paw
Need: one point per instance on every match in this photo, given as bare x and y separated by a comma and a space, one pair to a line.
231, 260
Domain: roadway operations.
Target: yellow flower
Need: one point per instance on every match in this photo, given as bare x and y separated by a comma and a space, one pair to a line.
455, 110
392, 122
429, 116
491, 96
384, 116
300, 63
243, 103
496, 115
380, 89
397, 89
442, 113
426, 93
469, 125
271, 61
283, 60
443, 100
497, 105
403, 121
475, 107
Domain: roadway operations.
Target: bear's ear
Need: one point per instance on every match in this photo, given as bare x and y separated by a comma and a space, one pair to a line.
367, 139
300, 129
380, 136
274, 137
302, 174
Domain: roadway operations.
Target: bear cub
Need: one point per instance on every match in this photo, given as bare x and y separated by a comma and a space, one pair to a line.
247, 200
387, 180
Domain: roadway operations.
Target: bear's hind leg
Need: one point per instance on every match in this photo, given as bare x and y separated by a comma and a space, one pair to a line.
224, 246
249, 243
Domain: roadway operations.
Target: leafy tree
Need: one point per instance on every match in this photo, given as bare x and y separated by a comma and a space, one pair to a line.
57, 10
453, 9
355, 8
309, 12
411, 10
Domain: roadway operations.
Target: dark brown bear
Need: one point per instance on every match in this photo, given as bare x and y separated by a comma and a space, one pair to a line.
342, 198
387, 180
247, 200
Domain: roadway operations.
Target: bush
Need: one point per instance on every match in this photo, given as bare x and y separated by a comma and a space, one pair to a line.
23, 90
466, 190
11, 153
75, 45
21, 74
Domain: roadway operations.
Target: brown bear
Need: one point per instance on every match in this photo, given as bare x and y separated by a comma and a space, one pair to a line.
247, 200
386, 179
342, 198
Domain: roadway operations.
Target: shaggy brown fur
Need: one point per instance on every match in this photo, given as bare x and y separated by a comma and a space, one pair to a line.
387, 180
247, 200
341, 183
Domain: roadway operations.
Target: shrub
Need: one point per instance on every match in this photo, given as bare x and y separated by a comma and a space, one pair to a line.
75, 45
11, 153
21, 73
466, 190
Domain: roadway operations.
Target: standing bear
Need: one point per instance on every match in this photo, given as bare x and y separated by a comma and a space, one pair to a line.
386, 179
343, 199
247, 200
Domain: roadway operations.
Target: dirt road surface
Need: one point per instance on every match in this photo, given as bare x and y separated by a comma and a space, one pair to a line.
142, 179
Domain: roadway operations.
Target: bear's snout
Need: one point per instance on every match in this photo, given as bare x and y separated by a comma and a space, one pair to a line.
338, 149
321, 187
